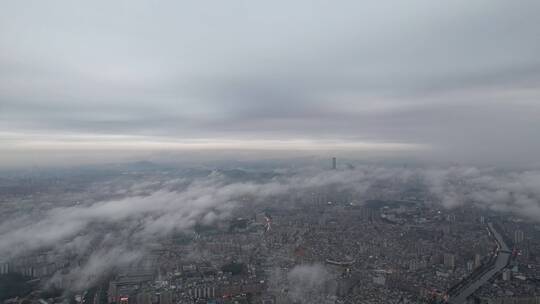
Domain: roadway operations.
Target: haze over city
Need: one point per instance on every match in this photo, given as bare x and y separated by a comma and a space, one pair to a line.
189, 152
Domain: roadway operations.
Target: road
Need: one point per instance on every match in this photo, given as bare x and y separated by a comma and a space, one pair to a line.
503, 257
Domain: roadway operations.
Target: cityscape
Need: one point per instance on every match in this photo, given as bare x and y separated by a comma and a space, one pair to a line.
269, 152
338, 234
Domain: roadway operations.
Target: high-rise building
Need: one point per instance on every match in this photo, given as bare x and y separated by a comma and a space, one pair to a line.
449, 260
506, 275
477, 260
4, 268
144, 298
379, 280
165, 297
518, 236
470, 266
334, 163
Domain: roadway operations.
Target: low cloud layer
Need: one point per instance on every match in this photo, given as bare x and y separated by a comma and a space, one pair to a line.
305, 281
118, 232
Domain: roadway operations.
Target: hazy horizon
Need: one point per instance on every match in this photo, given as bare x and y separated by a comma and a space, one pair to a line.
452, 82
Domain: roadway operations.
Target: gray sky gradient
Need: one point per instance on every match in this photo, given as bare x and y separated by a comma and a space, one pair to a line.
457, 80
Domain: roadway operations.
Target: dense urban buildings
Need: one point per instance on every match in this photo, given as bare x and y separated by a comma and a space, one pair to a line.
319, 242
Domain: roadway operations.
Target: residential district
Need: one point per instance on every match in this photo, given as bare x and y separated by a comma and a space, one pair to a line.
326, 245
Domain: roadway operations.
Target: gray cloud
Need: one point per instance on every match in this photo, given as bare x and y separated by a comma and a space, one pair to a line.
108, 234
461, 78
304, 283
307, 282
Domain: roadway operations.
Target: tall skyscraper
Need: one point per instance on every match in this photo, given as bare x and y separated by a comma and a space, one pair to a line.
449, 260
477, 260
518, 236
333, 163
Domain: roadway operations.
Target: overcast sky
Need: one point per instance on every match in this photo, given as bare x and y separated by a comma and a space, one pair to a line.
455, 80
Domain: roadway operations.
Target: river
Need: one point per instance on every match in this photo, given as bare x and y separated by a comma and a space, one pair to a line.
503, 257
